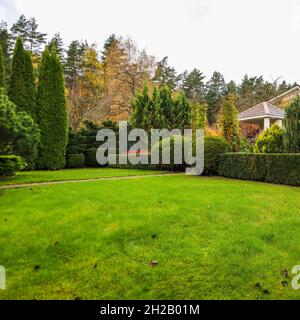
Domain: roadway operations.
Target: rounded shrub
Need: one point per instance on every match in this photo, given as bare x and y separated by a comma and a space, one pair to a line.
270, 141
213, 148
19, 134
10, 164
76, 160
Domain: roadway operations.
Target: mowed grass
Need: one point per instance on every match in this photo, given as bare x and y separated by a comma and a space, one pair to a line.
71, 174
212, 238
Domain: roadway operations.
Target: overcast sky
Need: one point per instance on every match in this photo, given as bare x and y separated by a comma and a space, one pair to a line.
258, 37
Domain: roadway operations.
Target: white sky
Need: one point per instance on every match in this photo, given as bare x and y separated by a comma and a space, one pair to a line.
258, 37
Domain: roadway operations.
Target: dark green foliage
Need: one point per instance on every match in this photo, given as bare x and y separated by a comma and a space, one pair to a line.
9, 165
84, 141
19, 133
75, 160
229, 122
161, 110
270, 141
273, 168
5, 43
254, 90
30, 89
22, 89
292, 127
166, 75
216, 89
231, 88
193, 85
2, 70
73, 64
90, 158
52, 114
171, 166
213, 148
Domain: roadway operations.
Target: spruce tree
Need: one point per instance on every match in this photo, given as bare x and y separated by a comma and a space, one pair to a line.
22, 89
230, 123
2, 69
52, 114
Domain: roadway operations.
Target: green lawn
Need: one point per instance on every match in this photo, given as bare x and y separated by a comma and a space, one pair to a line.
71, 174
213, 239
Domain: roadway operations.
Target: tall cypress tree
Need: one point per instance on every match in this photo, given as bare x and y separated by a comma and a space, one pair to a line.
52, 113
2, 69
22, 89
30, 88
230, 123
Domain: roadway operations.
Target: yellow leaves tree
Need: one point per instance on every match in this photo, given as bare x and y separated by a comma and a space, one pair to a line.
126, 69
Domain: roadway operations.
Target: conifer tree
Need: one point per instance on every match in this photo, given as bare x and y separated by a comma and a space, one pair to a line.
52, 114
2, 69
5, 42
216, 88
230, 123
58, 43
22, 89
292, 127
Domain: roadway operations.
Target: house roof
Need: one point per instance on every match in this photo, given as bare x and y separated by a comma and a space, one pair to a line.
287, 93
262, 110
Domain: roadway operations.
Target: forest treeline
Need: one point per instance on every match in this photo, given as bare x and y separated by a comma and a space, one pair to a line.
101, 83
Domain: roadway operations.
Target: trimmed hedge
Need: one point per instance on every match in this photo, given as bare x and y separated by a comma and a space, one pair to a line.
273, 168
10, 164
90, 158
213, 148
75, 160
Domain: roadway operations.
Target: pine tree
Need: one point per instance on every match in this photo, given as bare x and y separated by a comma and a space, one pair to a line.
193, 85
166, 75
73, 65
216, 89
292, 127
27, 30
35, 38
58, 43
52, 114
230, 123
107, 45
231, 87
20, 29
22, 89
2, 69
